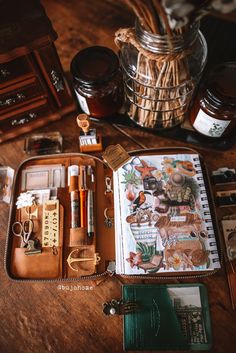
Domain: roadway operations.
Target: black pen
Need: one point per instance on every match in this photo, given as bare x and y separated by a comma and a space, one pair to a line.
90, 214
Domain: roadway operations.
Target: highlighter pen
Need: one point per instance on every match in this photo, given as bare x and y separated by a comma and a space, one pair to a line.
83, 208
83, 198
73, 172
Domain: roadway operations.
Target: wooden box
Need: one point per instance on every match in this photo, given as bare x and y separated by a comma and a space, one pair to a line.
33, 89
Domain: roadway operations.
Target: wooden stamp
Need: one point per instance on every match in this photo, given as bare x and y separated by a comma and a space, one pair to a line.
88, 139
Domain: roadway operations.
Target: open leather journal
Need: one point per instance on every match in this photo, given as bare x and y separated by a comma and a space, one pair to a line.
72, 217
163, 219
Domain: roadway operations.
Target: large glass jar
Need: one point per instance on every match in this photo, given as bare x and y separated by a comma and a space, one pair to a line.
160, 73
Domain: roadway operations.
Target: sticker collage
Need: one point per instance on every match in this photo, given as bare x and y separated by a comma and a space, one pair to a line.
163, 217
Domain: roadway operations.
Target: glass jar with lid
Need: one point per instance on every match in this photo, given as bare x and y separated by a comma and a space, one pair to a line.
160, 73
97, 81
214, 111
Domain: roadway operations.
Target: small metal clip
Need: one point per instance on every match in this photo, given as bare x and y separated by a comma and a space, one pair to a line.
31, 249
108, 185
54, 250
108, 221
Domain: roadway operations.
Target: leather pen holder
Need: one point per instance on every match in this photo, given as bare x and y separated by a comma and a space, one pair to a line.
78, 236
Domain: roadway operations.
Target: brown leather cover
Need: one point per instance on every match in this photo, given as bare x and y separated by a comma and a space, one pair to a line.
44, 265
82, 267
49, 266
77, 236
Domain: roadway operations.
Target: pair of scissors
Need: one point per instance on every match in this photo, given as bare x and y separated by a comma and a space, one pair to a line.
23, 230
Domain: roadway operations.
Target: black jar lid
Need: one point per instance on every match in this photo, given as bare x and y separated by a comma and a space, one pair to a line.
94, 65
221, 84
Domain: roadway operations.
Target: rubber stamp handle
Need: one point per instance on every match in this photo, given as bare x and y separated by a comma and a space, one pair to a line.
83, 122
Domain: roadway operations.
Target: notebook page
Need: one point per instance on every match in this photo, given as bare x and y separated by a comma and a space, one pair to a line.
162, 216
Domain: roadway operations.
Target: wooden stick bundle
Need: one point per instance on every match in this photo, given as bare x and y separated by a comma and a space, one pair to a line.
162, 101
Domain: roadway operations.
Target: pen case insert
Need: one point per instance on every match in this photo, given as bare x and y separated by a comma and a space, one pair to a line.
77, 254
48, 263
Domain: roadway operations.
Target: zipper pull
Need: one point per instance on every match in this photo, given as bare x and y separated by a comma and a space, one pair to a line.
111, 268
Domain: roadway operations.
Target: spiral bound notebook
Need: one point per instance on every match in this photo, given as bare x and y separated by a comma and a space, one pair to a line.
163, 221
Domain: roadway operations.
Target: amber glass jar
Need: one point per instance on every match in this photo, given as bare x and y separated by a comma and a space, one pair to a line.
97, 81
214, 111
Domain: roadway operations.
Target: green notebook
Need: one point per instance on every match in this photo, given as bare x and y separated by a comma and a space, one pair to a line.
170, 317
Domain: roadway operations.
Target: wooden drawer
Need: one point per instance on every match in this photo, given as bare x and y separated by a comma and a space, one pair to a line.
50, 66
14, 71
41, 108
23, 93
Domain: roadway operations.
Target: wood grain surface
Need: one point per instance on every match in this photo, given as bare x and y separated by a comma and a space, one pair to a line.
66, 317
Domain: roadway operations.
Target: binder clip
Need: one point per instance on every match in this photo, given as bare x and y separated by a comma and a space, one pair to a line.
32, 248
88, 138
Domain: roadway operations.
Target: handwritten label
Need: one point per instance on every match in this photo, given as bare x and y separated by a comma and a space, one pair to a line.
178, 219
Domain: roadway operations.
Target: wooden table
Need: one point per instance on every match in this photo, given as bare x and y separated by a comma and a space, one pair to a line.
68, 318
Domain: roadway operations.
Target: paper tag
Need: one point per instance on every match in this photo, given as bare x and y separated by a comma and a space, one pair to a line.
115, 156
83, 103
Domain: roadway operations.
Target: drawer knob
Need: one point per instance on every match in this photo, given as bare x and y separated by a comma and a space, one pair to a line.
25, 120
57, 81
9, 101
4, 73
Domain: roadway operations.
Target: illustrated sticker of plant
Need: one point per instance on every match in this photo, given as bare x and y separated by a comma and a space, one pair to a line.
175, 260
147, 251
168, 167
135, 259
131, 179
146, 258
